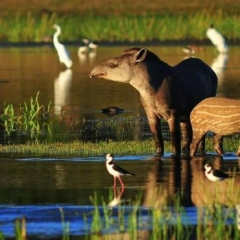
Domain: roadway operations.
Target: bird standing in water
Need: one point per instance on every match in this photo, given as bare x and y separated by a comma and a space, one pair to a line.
115, 170
217, 39
63, 54
213, 174
88, 46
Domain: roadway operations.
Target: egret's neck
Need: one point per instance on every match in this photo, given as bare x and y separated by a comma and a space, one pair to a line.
56, 35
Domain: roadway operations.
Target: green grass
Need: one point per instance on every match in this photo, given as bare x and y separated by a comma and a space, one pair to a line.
86, 149
125, 27
31, 118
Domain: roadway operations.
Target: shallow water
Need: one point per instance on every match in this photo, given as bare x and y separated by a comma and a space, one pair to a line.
77, 100
38, 187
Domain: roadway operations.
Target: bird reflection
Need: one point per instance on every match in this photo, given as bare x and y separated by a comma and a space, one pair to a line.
117, 197
219, 65
88, 51
88, 56
61, 90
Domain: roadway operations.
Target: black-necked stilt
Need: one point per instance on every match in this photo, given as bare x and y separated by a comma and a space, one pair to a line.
217, 39
115, 170
213, 174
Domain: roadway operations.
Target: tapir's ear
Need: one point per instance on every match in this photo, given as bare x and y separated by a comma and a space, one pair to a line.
141, 55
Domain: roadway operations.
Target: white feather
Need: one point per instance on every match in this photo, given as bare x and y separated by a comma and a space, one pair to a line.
217, 39
63, 54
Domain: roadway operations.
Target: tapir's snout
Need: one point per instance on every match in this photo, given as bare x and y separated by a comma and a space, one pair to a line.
91, 75
97, 72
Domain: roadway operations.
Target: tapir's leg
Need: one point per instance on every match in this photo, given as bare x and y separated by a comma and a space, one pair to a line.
201, 145
198, 137
155, 127
238, 151
218, 144
174, 127
186, 131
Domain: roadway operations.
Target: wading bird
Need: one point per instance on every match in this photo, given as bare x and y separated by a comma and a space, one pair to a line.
192, 49
62, 51
115, 170
217, 39
213, 174
88, 46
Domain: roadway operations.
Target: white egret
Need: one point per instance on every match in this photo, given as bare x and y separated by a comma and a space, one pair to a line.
63, 53
217, 39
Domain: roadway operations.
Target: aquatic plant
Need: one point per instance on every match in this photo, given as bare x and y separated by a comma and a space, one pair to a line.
30, 119
136, 219
20, 229
210, 221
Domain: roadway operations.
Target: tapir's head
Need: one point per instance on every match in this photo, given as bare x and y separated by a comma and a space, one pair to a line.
122, 68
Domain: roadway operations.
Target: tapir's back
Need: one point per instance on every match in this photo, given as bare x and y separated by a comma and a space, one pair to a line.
216, 114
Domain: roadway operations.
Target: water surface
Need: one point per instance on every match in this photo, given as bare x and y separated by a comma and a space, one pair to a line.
38, 187
77, 100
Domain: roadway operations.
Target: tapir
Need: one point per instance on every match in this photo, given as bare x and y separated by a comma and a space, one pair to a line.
168, 92
218, 115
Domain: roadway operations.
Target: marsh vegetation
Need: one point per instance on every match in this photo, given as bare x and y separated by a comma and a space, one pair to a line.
118, 21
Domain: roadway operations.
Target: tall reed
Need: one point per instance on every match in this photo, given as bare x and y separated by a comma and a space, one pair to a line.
126, 27
31, 118
214, 221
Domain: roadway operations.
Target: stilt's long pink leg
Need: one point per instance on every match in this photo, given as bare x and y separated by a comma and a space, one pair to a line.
114, 185
121, 182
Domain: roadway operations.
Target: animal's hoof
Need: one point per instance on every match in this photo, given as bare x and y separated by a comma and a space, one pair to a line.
218, 149
159, 154
187, 154
238, 153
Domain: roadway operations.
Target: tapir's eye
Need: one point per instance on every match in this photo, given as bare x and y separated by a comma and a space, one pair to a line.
112, 65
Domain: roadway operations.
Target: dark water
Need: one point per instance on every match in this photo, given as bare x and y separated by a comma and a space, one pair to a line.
38, 188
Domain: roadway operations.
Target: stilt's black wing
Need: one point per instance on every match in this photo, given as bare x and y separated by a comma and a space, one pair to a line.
122, 171
220, 174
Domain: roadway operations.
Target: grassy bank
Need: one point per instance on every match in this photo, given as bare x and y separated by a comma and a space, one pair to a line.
117, 20
86, 149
